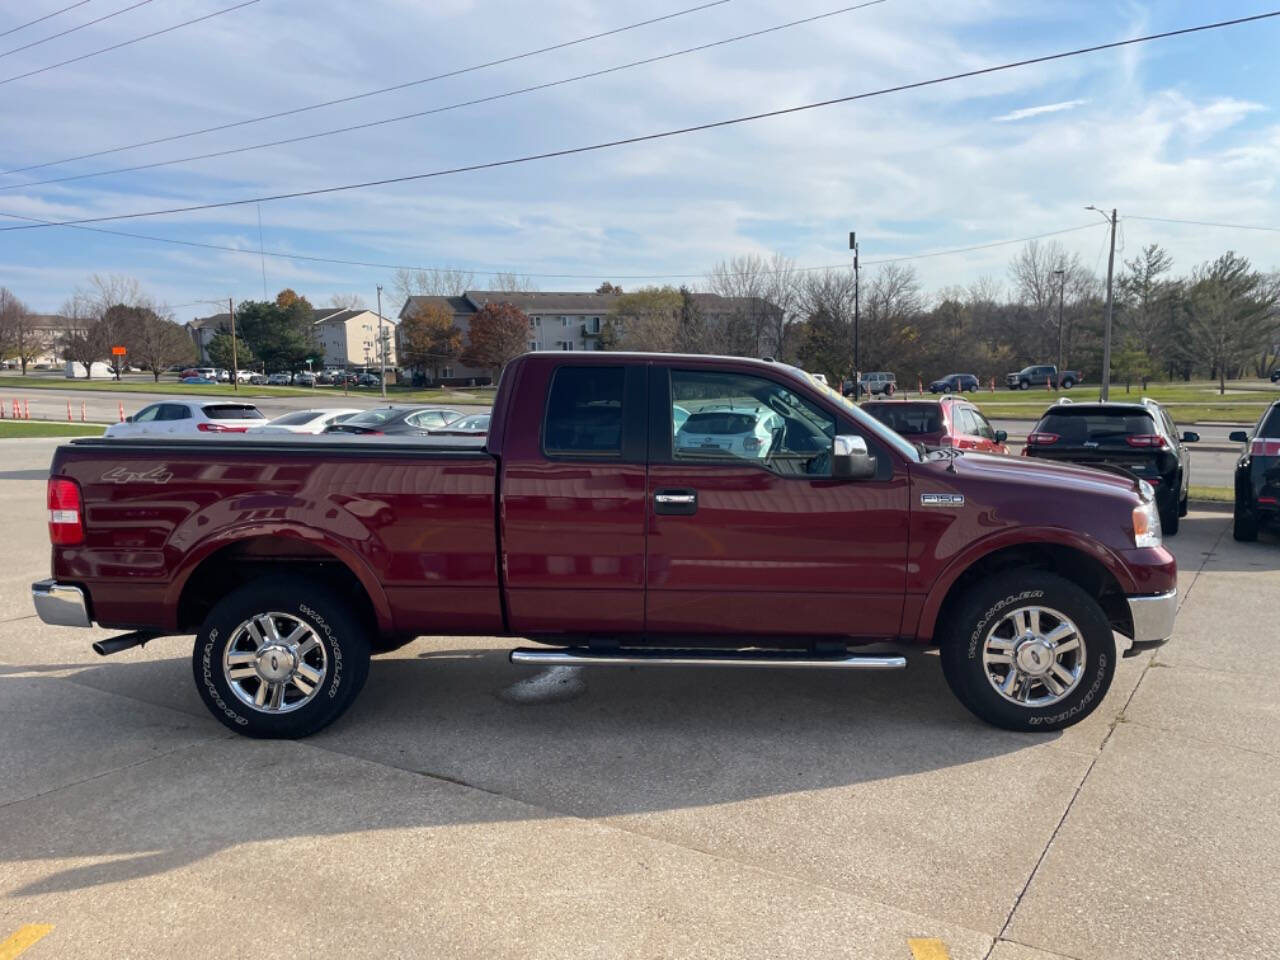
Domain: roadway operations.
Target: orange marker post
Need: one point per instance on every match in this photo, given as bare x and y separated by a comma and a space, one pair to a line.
68, 411
82, 411
122, 411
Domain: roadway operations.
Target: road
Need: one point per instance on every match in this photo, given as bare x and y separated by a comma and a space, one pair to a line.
707, 814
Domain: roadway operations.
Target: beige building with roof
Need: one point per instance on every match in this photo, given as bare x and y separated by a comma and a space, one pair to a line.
345, 338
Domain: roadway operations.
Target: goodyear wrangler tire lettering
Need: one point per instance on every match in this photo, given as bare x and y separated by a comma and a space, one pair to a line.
1013, 669
243, 647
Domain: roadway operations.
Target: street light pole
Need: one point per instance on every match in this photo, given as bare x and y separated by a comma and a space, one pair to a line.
857, 359
235, 364
382, 346
1062, 287
1106, 337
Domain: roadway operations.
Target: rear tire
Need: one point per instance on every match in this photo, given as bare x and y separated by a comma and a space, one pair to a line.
1244, 525
288, 634
984, 627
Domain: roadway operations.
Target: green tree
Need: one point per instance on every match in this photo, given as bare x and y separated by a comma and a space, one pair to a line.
429, 339
498, 334
280, 334
219, 349
648, 319
1230, 309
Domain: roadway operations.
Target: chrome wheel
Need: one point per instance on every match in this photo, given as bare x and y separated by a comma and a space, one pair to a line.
275, 663
1034, 656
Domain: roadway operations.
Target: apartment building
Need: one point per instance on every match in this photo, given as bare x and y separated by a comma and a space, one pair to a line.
345, 338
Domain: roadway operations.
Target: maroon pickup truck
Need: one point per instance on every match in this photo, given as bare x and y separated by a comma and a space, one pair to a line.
636, 509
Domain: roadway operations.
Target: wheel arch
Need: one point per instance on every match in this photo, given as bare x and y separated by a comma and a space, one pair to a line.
1093, 570
234, 560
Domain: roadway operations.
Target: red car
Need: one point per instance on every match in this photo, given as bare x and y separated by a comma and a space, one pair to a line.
580, 523
948, 422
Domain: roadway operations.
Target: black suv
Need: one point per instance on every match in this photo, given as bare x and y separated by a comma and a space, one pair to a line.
954, 383
1258, 475
1137, 437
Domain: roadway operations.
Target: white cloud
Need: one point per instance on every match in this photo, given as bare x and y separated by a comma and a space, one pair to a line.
1026, 112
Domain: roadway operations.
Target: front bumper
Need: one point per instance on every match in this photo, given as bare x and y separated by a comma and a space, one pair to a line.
1153, 617
59, 604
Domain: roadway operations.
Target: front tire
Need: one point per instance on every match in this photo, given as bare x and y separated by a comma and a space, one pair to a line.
1068, 383
1028, 651
280, 659
1024, 384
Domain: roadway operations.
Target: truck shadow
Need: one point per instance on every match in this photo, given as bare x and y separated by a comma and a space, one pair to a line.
648, 744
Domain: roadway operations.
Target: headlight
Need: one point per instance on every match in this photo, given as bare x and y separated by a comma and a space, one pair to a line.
1146, 525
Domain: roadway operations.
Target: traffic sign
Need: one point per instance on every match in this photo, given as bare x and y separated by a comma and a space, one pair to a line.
118, 351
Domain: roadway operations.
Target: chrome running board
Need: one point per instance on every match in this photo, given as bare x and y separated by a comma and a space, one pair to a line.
586, 657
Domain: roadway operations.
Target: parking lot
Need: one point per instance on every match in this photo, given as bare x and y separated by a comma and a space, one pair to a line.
631, 813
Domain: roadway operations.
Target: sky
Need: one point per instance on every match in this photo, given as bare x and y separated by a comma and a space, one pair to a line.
1183, 128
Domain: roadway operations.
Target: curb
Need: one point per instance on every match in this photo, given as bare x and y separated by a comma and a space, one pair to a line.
1211, 506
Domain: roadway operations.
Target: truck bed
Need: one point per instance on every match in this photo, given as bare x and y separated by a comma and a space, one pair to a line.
414, 518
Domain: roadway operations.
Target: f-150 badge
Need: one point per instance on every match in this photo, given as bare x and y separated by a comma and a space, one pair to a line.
942, 499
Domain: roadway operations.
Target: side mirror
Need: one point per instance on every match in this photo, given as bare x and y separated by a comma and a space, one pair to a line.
850, 460
129, 419
1238, 436
1190, 436
1002, 436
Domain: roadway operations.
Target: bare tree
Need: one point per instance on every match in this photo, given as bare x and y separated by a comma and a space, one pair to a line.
347, 301
513, 283
12, 314
441, 282
893, 305
743, 281
1231, 309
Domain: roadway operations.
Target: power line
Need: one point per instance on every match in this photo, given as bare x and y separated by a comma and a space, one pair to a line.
453, 106
125, 43
47, 16
539, 276
55, 36
372, 93
1204, 223
644, 138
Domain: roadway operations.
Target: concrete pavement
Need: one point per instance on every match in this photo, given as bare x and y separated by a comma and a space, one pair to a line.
675, 814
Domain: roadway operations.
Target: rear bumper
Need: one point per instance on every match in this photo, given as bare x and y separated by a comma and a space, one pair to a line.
1153, 617
59, 604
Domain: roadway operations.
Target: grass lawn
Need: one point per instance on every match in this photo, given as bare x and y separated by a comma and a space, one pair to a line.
168, 384
1186, 402
12, 429
1220, 494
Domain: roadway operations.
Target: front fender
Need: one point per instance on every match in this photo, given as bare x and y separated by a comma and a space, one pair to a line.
1019, 537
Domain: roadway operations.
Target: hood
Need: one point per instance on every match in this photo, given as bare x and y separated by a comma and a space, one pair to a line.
1029, 472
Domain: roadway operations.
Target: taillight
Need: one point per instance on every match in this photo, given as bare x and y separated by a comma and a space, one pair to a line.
207, 426
1145, 440
1042, 439
66, 525
752, 443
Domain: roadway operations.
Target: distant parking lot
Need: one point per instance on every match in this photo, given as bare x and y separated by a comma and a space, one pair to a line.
638, 813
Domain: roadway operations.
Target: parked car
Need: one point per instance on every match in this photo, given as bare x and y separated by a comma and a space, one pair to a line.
475, 425
279, 379
307, 421
1139, 438
188, 372
244, 376
613, 545
368, 380
949, 422
324, 378
188, 418
1258, 476
259, 380
1042, 375
223, 376
198, 380
746, 432
878, 383
954, 383
1275, 376
396, 421
304, 379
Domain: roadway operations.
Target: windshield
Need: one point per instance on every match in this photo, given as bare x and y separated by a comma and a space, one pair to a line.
233, 411
908, 419
1100, 428
864, 420
374, 418
297, 419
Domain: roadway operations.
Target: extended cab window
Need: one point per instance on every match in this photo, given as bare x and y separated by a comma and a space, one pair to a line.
584, 412
736, 417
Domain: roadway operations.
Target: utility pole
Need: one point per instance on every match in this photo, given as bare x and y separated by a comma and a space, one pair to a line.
382, 346
235, 364
1062, 288
1106, 337
857, 359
